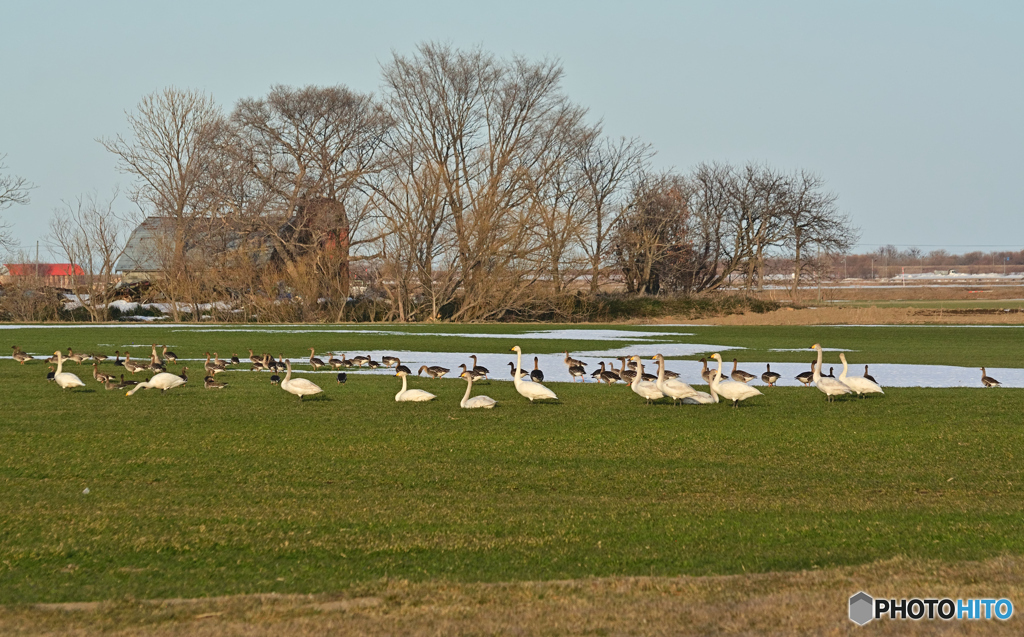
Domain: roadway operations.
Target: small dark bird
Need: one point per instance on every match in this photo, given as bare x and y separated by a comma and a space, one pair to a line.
210, 383
831, 372
234, 360
807, 377
869, 376
49, 376
275, 379
342, 377
536, 375
402, 368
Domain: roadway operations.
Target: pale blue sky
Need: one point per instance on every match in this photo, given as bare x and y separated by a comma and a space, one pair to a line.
912, 111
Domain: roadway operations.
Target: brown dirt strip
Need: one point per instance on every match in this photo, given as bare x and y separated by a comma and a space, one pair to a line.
804, 602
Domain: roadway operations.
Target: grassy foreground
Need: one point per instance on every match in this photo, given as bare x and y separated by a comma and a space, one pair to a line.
196, 493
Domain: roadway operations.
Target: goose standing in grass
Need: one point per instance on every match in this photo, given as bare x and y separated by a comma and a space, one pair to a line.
731, 389
512, 371
127, 383
536, 375
171, 356
644, 388
342, 378
117, 359
154, 357
476, 376
578, 371
390, 361
298, 386
335, 362
162, 381
359, 361
20, 356
739, 375
770, 377
596, 374
210, 383
828, 386
806, 377
831, 372
707, 374
99, 358
78, 358
100, 376
50, 374
314, 362
130, 365
256, 360
530, 391
986, 380
411, 395
434, 371
479, 369
570, 361
210, 366
608, 376
346, 362
625, 373
234, 359
274, 379
673, 388
869, 376
858, 384
476, 402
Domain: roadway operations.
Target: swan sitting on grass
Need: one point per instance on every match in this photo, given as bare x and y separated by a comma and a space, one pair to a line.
411, 395
476, 402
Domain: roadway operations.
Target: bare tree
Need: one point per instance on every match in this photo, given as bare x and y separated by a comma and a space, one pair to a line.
173, 152
13, 191
815, 223
89, 233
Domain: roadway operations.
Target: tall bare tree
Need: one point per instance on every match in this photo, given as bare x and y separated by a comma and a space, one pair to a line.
13, 191
815, 222
88, 232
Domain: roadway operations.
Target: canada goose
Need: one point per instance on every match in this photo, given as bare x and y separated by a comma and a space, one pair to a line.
731, 389
705, 373
335, 362
171, 356
407, 395
299, 386
831, 372
434, 371
130, 366
390, 361
675, 389
477, 402
644, 388
770, 377
807, 377
739, 375
479, 369
530, 391
98, 375
826, 384
570, 361
342, 377
210, 383
359, 361
476, 376
987, 380
234, 359
536, 375
314, 362
578, 371
78, 358
869, 376
858, 384
162, 381
512, 371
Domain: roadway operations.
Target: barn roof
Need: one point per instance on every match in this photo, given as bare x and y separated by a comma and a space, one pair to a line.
44, 269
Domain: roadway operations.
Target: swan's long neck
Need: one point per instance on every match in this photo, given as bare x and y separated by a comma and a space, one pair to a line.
405, 384
288, 376
639, 373
817, 368
718, 373
469, 388
60, 362
519, 366
842, 376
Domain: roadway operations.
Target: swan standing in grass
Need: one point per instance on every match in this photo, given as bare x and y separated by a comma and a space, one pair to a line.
731, 389
162, 381
476, 402
858, 384
66, 380
299, 386
411, 395
675, 389
829, 386
644, 388
532, 391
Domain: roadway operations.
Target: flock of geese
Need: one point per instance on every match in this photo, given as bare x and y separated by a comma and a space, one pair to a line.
528, 383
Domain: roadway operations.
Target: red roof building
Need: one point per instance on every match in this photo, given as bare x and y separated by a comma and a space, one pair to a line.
43, 269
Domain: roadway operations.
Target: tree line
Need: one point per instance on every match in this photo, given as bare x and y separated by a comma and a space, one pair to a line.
470, 188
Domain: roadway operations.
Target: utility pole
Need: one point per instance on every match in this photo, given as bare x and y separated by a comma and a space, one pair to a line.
37, 258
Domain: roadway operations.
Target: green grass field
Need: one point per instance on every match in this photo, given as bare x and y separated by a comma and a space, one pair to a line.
198, 493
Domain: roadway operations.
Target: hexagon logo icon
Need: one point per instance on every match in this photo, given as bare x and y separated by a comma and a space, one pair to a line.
861, 608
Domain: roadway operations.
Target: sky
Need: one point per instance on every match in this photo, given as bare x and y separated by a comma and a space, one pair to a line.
912, 112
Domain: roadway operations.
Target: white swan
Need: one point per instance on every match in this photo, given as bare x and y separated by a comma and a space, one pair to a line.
730, 389
66, 380
831, 387
162, 381
644, 388
300, 386
411, 395
858, 384
532, 391
476, 402
674, 389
